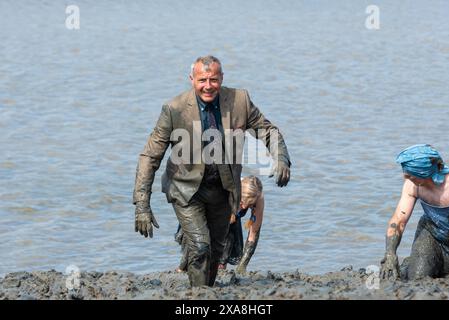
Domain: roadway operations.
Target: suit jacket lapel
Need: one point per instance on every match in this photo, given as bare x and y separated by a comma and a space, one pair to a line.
193, 110
192, 115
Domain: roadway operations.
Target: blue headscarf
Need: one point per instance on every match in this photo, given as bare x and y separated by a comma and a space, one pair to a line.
417, 161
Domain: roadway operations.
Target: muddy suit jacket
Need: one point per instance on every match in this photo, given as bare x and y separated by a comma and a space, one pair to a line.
182, 179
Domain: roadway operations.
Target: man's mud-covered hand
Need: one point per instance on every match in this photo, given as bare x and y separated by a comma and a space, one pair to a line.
281, 172
145, 219
389, 267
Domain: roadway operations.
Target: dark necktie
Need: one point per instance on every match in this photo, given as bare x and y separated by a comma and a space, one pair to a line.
213, 171
213, 125
211, 116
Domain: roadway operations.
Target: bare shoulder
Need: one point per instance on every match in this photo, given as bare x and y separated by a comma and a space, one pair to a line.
409, 189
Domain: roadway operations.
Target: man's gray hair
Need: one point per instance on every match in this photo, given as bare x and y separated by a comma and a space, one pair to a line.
206, 62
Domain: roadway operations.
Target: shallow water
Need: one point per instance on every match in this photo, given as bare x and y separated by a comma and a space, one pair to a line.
77, 106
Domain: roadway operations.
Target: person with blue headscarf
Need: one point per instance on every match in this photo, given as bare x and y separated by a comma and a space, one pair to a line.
426, 179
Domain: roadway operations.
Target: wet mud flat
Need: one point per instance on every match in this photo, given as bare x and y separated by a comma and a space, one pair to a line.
255, 285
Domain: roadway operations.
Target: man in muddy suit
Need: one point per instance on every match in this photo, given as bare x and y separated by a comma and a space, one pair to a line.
202, 176
425, 178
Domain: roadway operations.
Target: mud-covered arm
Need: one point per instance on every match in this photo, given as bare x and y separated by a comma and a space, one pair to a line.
398, 221
264, 130
258, 212
395, 229
151, 156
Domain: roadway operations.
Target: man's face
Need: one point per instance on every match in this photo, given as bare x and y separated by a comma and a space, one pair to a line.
206, 80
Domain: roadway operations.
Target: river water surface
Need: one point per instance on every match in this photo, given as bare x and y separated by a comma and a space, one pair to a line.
76, 107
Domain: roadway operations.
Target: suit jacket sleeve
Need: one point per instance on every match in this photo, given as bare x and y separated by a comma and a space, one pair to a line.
267, 132
152, 155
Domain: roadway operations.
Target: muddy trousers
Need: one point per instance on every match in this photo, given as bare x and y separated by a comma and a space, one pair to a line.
234, 244
428, 256
205, 223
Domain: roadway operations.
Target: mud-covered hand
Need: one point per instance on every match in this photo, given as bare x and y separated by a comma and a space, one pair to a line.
145, 219
281, 172
389, 267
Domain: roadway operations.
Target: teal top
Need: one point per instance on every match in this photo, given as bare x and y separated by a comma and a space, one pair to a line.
438, 222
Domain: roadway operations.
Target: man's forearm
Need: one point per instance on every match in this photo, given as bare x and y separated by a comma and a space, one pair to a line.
152, 155
145, 173
267, 132
274, 141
